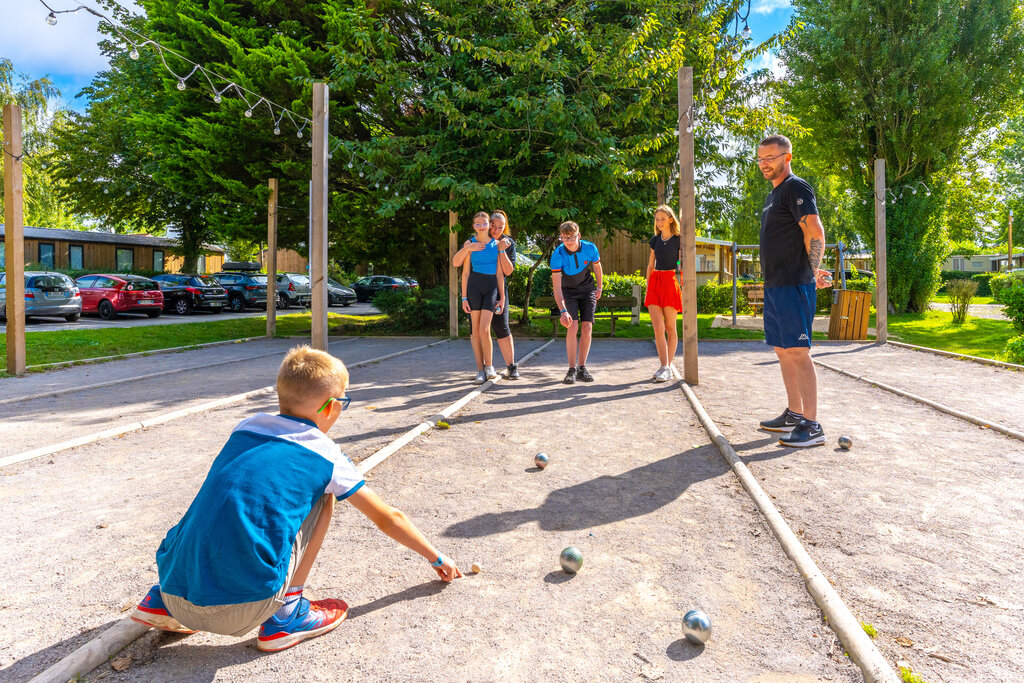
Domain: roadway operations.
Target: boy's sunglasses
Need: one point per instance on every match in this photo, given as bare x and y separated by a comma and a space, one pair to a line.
344, 400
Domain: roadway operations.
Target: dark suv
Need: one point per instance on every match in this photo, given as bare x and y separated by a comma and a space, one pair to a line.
186, 292
245, 290
367, 287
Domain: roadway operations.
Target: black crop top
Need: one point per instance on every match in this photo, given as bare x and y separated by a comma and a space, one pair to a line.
666, 254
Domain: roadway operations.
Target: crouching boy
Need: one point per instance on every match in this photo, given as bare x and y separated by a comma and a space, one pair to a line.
239, 557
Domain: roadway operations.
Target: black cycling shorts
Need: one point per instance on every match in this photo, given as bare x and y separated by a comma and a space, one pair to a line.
581, 304
482, 292
499, 323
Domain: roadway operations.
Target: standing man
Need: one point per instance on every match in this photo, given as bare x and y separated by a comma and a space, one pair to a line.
792, 244
574, 266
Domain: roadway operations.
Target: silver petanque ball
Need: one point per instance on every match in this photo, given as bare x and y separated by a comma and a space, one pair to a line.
845, 442
571, 560
541, 460
696, 627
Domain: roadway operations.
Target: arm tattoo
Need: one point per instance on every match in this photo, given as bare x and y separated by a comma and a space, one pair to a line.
817, 251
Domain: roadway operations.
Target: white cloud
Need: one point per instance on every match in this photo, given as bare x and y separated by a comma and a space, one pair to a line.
771, 61
67, 49
769, 6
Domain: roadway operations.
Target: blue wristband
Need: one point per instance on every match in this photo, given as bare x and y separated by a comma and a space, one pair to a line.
439, 562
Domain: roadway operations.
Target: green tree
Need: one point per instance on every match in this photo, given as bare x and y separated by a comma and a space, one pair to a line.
913, 82
1008, 161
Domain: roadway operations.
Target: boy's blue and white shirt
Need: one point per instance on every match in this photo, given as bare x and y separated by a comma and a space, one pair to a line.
234, 543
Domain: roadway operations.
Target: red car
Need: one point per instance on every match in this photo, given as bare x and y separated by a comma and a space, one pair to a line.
108, 295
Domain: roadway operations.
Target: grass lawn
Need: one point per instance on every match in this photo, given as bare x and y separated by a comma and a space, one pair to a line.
71, 345
943, 298
934, 329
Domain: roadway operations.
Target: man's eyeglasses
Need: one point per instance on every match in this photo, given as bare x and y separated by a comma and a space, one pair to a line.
569, 238
765, 160
344, 401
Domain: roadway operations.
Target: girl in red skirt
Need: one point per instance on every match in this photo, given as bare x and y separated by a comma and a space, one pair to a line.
664, 298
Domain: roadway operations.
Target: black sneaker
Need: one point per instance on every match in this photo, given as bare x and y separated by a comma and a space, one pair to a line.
804, 435
512, 372
786, 422
570, 377
582, 374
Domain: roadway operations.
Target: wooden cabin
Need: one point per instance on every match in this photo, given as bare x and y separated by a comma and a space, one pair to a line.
625, 255
104, 251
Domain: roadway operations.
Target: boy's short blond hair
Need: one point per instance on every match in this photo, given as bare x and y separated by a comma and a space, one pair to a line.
308, 376
569, 228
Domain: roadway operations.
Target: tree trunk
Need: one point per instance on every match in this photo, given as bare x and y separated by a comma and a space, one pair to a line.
524, 318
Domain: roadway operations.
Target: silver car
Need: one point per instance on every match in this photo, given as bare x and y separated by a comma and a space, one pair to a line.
293, 289
50, 294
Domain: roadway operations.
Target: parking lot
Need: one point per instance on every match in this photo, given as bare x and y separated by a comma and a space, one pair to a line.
44, 324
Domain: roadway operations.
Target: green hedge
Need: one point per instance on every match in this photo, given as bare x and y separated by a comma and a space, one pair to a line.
983, 280
1013, 297
517, 284
1000, 282
1014, 350
414, 312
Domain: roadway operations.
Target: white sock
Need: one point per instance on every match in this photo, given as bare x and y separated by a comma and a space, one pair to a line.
291, 602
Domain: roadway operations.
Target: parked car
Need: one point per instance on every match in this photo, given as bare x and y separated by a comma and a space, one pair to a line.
293, 290
245, 290
367, 287
110, 294
412, 283
186, 292
46, 293
338, 293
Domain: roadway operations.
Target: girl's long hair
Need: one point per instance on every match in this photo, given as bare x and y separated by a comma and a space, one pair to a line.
674, 226
499, 212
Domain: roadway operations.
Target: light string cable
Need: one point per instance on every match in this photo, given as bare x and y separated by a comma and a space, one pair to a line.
251, 99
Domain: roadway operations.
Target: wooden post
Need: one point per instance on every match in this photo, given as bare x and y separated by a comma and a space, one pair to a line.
1009, 243
688, 227
881, 278
453, 272
661, 191
271, 262
318, 241
14, 240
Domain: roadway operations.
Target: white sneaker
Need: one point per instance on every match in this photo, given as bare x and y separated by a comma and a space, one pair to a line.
480, 377
489, 372
664, 374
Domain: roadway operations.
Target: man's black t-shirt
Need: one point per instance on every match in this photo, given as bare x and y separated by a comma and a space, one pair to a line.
784, 258
666, 253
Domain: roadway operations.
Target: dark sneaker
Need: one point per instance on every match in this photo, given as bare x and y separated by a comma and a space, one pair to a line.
153, 613
570, 377
786, 422
582, 374
512, 372
309, 620
804, 435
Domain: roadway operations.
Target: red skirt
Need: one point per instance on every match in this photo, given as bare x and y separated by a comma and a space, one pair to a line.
663, 290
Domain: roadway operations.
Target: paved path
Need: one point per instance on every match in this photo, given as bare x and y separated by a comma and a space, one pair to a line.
633, 483
142, 320
990, 311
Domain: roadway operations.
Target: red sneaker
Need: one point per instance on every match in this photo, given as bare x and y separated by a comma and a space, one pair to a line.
309, 620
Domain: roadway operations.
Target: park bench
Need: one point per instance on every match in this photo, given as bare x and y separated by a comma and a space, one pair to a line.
755, 297
620, 307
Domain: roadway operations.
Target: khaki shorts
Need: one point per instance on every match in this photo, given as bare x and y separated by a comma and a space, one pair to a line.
237, 620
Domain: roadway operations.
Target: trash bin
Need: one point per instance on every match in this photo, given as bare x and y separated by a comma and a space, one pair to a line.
850, 313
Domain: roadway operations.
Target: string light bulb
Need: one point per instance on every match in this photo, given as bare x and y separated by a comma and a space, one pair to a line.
181, 84
134, 54
746, 32
299, 134
722, 73
51, 18
689, 128
277, 130
248, 113
216, 99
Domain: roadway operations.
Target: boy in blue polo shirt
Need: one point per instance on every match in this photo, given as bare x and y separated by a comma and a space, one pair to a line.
576, 280
239, 557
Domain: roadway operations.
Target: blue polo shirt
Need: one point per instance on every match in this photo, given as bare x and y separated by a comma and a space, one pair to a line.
577, 266
234, 543
485, 262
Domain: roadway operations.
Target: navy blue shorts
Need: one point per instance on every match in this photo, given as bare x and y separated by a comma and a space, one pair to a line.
788, 315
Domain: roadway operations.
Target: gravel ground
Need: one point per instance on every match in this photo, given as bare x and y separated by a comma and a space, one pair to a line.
918, 526
991, 311
662, 524
981, 390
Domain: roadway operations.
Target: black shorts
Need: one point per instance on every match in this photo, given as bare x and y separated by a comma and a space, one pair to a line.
499, 323
482, 292
581, 304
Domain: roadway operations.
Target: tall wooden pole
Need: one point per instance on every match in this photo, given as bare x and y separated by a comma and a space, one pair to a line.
1009, 243
881, 274
453, 272
14, 240
271, 262
688, 219
318, 241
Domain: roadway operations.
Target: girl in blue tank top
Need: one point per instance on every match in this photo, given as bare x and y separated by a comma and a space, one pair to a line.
483, 291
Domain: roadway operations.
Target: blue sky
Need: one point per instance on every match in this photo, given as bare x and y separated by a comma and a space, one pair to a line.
67, 52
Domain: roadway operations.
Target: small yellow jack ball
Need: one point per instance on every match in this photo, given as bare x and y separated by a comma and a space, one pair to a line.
476, 568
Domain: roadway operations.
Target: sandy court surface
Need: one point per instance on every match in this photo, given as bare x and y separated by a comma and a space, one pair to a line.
662, 524
981, 390
29, 424
918, 526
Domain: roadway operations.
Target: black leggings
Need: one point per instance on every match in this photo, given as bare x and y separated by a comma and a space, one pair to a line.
482, 292
499, 323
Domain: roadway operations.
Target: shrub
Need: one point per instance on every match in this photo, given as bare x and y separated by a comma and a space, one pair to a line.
517, 284
1000, 282
983, 280
622, 285
1013, 297
715, 298
390, 301
960, 294
1014, 350
861, 284
419, 312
